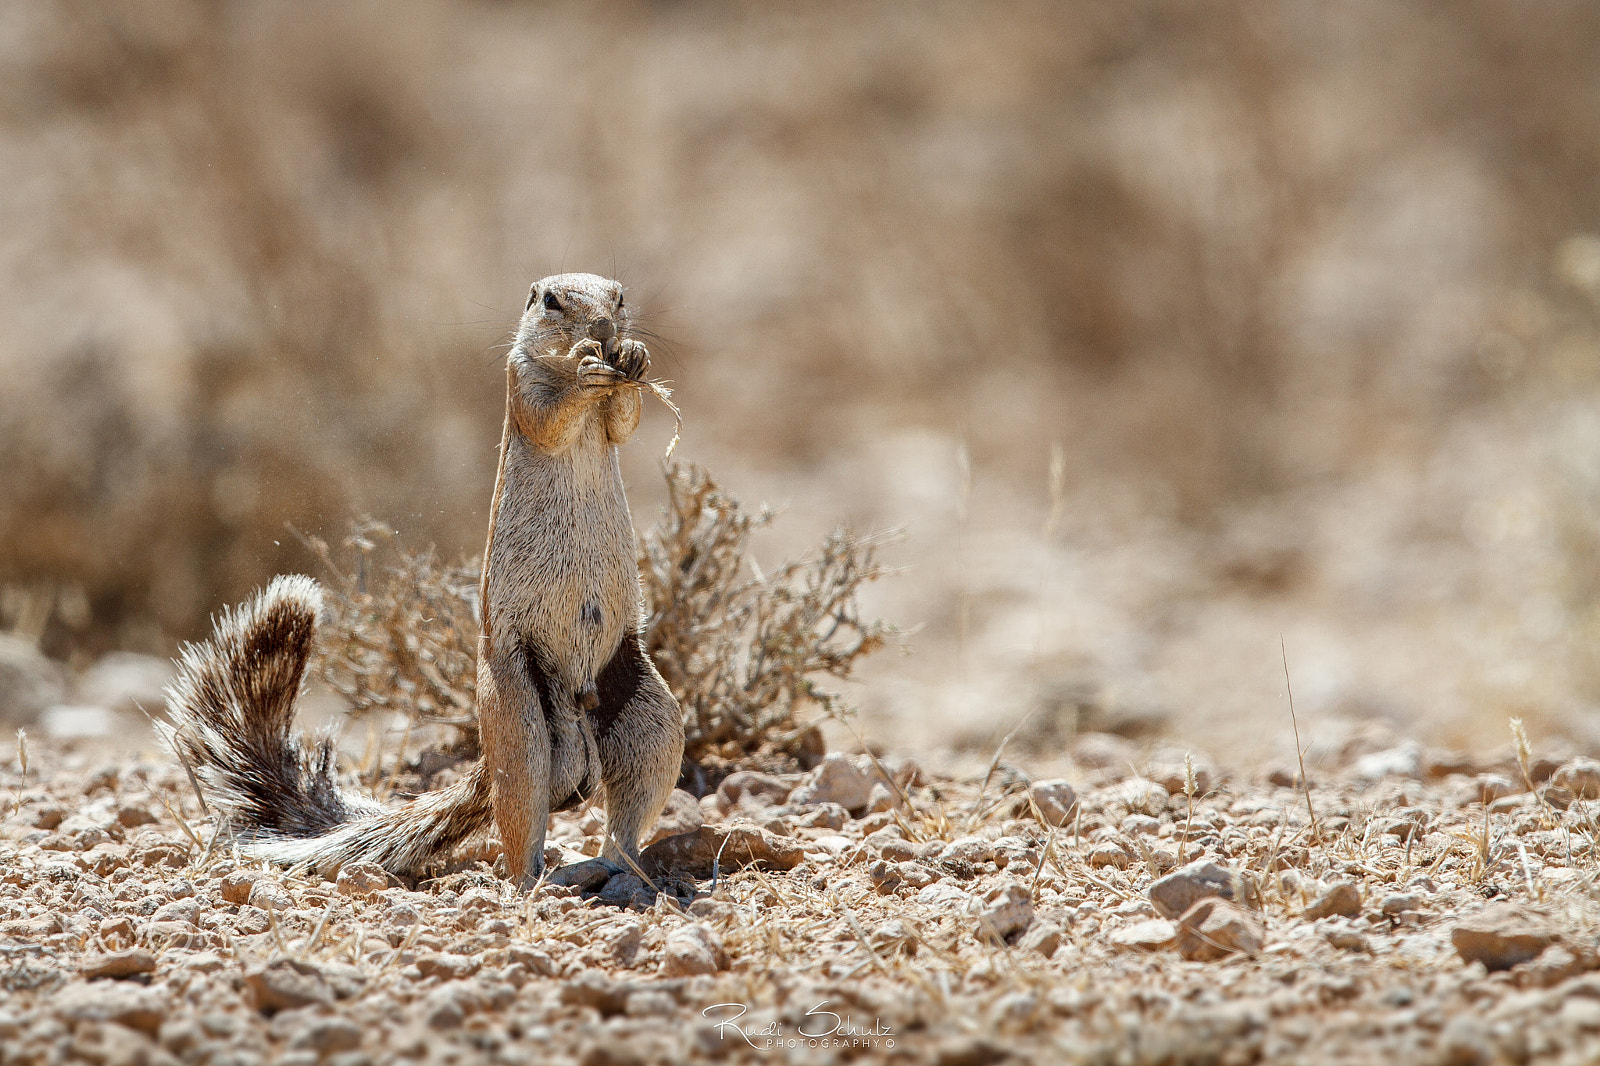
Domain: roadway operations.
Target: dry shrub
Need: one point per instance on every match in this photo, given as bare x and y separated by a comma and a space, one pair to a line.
400, 631
742, 650
739, 648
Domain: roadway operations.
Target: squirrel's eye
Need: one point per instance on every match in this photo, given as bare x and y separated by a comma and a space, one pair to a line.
551, 303
619, 304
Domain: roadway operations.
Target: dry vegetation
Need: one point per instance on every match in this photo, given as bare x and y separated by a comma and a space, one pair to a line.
744, 650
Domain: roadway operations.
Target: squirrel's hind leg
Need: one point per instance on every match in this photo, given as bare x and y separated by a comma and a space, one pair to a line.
516, 755
639, 731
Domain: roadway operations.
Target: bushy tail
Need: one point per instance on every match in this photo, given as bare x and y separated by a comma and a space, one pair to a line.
231, 709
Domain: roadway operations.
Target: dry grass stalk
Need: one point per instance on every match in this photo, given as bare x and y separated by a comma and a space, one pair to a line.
742, 650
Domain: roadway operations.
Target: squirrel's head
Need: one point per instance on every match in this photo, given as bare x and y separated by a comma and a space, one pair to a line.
564, 309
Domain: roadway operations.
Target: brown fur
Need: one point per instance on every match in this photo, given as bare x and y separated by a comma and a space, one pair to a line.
568, 701
560, 593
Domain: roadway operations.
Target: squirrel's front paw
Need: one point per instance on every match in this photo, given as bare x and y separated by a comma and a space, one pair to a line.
633, 360
593, 370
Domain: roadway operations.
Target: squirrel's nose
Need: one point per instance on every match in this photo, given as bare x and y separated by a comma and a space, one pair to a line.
602, 329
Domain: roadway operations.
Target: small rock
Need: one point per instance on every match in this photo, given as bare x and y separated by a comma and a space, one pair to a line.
326, 1035
236, 886
29, 681
1342, 898
1154, 934
1404, 828
105, 857
622, 940
587, 875
1015, 850
891, 845
1402, 760
1041, 937
285, 984
1175, 893
447, 967
1345, 937
1397, 903
1109, 854
1580, 777
894, 936
443, 1011
1143, 796
270, 895
133, 815
1055, 801
129, 1005
681, 815
361, 880
1172, 775
1486, 788
134, 962
1554, 965
1214, 928
535, 959
592, 988
181, 910
1006, 913
126, 682
843, 779
823, 816
628, 890
1502, 935
739, 845
942, 894
693, 949
118, 929
882, 799
972, 850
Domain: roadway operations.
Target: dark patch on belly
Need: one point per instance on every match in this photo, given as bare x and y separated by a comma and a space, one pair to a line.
539, 677
592, 614
618, 683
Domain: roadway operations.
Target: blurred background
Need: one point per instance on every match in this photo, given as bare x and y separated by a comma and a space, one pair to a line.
1163, 331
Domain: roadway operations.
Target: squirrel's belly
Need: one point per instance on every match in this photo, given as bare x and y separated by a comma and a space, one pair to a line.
564, 574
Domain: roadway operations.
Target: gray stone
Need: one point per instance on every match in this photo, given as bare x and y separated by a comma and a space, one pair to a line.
1502, 935
1214, 928
693, 949
1175, 893
1342, 898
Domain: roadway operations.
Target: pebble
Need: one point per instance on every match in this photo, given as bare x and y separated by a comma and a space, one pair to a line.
693, 949
1502, 935
1055, 800
1342, 899
361, 880
1178, 891
1214, 928
134, 962
1580, 777
1154, 934
285, 984
1006, 912
843, 779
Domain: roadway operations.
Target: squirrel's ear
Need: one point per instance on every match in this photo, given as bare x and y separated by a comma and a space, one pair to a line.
533, 294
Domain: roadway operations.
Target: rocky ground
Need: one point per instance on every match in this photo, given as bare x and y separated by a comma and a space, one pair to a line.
1437, 910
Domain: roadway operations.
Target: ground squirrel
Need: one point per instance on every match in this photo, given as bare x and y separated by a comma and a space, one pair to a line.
568, 701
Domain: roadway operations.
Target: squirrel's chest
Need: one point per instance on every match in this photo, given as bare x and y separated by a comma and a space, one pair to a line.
562, 565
